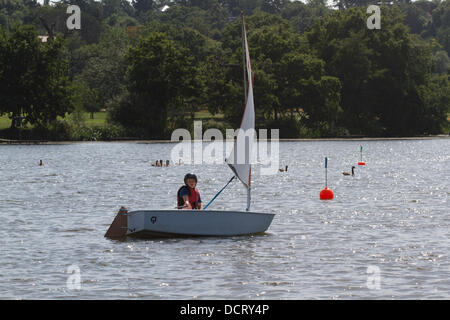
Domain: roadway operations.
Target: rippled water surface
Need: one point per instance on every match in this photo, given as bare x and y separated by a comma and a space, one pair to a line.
392, 216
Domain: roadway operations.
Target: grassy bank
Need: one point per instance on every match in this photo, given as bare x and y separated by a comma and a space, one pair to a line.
81, 127
74, 127
99, 120
5, 122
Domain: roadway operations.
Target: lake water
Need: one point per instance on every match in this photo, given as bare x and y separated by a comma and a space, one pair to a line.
385, 235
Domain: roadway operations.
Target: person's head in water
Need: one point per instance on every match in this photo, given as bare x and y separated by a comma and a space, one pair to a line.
41, 163
190, 180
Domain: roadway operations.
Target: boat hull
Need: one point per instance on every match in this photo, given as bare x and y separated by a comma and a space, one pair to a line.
188, 223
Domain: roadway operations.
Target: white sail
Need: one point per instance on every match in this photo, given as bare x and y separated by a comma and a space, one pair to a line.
175, 223
240, 158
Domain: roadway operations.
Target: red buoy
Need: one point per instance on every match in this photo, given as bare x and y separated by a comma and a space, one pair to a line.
361, 163
326, 194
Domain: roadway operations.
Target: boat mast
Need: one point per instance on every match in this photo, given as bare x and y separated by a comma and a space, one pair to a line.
243, 59
248, 198
244, 65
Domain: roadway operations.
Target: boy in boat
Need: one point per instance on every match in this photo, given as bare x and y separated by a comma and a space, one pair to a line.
188, 196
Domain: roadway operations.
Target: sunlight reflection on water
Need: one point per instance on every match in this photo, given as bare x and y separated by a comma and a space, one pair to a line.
392, 214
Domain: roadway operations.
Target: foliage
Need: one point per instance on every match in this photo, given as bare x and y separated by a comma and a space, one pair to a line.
381, 71
289, 81
33, 77
160, 78
153, 64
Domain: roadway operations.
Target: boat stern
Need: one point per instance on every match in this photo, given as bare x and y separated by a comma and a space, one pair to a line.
119, 227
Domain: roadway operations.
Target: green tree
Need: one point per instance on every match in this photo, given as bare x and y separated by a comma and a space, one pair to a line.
441, 62
101, 67
207, 22
34, 80
441, 24
160, 79
346, 4
142, 6
381, 71
290, 84
235, 7
303, 16
436, 98
273, 6
416, 18
117, 7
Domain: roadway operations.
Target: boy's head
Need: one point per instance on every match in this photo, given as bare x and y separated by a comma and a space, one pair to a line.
190, 180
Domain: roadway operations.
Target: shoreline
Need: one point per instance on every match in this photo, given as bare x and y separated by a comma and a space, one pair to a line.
45, 142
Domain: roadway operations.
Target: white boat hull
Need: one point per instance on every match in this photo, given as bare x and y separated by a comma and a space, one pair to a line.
178, 223
196, 223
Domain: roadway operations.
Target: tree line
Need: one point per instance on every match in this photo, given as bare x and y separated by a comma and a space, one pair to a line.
318, 70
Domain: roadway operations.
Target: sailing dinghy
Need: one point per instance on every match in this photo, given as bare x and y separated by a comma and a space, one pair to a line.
176, 223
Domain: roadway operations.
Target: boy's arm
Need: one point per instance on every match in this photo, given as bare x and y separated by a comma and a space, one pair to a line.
185, 196
186, 202
199, 203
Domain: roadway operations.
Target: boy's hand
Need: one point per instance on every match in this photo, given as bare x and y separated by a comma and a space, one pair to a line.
187, 206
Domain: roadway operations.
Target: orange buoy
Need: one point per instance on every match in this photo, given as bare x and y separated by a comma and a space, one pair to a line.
326, 194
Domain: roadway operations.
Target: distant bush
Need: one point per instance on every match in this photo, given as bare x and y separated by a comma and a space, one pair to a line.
221, 126
62, 130
289, 128
58, 130
106, 133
